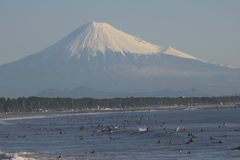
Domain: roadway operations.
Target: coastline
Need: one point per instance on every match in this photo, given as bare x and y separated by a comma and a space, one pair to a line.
145, 108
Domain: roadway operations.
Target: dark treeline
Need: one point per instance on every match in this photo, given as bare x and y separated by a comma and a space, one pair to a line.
38, 104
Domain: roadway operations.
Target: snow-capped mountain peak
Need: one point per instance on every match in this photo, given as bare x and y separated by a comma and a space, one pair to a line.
104, 58
94, 37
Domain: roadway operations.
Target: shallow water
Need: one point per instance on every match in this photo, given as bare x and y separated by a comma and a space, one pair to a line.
123, 135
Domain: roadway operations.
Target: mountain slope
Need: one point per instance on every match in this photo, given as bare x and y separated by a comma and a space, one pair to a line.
103, 58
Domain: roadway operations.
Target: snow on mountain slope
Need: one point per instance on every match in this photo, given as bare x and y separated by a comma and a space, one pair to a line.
94, 37
174, 52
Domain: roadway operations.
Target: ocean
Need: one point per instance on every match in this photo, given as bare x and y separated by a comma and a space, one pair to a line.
170, 134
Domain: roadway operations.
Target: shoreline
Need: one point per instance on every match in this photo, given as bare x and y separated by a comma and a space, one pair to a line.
146, 108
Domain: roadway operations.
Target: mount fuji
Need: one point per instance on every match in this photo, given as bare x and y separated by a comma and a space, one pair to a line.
104, 58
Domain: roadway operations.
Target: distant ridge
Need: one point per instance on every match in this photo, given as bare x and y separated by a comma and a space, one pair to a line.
83, 92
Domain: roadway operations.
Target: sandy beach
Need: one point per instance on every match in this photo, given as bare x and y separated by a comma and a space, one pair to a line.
145, 108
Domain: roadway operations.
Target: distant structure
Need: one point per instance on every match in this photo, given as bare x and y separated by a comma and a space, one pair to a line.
193, 94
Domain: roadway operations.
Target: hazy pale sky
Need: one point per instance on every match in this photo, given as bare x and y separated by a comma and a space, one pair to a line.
206, 29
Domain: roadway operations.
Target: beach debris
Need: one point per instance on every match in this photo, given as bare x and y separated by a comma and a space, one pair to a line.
90, 152
114, 138
224, 125
81, 128
180, 151
190, 133
22, 136
237, 148
177, 129
219, 141
143, 129
7, 136
191, 140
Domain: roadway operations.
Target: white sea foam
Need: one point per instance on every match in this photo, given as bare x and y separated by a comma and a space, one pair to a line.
142, 129
4, 123
2, 120
17, 156
21, 118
